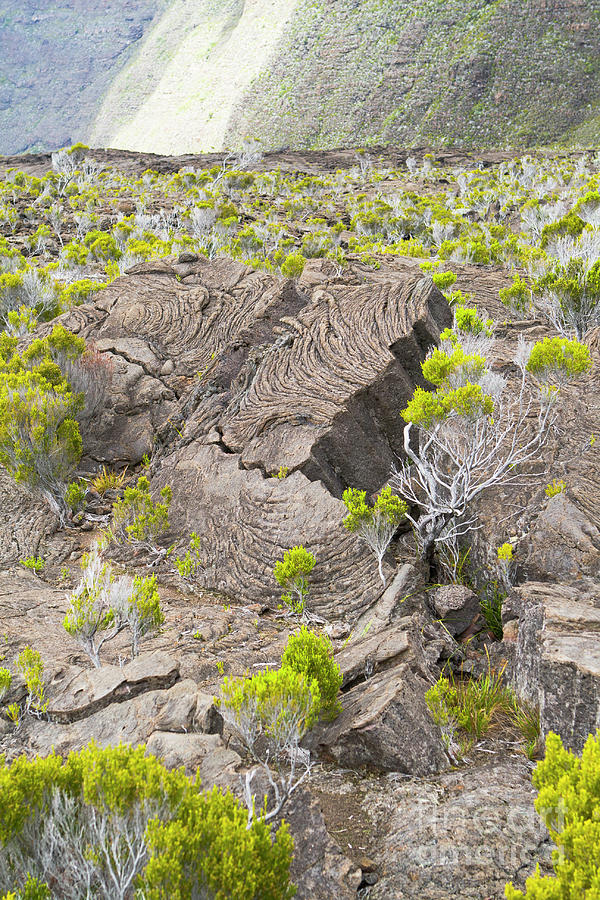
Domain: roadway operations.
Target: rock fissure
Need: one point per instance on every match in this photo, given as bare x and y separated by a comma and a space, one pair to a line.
126, 692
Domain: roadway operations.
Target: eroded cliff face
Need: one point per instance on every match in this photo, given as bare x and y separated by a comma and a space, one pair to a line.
175, 76
193, 68
57, 62
470, 73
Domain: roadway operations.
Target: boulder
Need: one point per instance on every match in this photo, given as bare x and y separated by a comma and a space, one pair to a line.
375, 652
384, 725
556, 667
129, 722
207, 718
204, 754
317, 393
456, 605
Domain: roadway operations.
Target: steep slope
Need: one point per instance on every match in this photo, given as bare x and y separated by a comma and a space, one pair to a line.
197, 62
57, 60
172, 76
474, 73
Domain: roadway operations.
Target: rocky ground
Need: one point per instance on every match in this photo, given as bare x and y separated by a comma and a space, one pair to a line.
223, 374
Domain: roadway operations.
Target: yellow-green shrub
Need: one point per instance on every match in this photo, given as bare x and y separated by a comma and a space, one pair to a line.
121, 821
311, 654
568, 801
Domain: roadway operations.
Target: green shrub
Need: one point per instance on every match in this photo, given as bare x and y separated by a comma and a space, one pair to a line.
5, 682
33, 889
102, 246
376, 524
443, 280
440, 367
271, 698
470, 439
33, 563
555, 359
569, 296
79, 292
21, 321
13, 711
505, 552
459, 298
75, 495
311, 655
103, 604
75, 253
568, 802
570, 225
209, 844
293, 265
292, 572
188, 565
40, 442
271, 712
31, 667
442, 703
143, 613
106, 823
517, 297
137, 517
428, 409
468, 321
90, 618
554, 488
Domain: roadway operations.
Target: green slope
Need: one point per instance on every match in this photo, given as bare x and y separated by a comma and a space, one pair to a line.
466, 72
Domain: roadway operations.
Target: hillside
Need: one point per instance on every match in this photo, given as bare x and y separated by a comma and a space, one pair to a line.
169, 76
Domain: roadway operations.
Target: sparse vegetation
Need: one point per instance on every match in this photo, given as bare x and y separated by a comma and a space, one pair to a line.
30, 665
271, 712
108, 481
189, 564
40, 442
33, 563
5, 682
473, 431
103, 604
137, 517
491, 598
481, 424
475, 705
555, 488
376, 524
